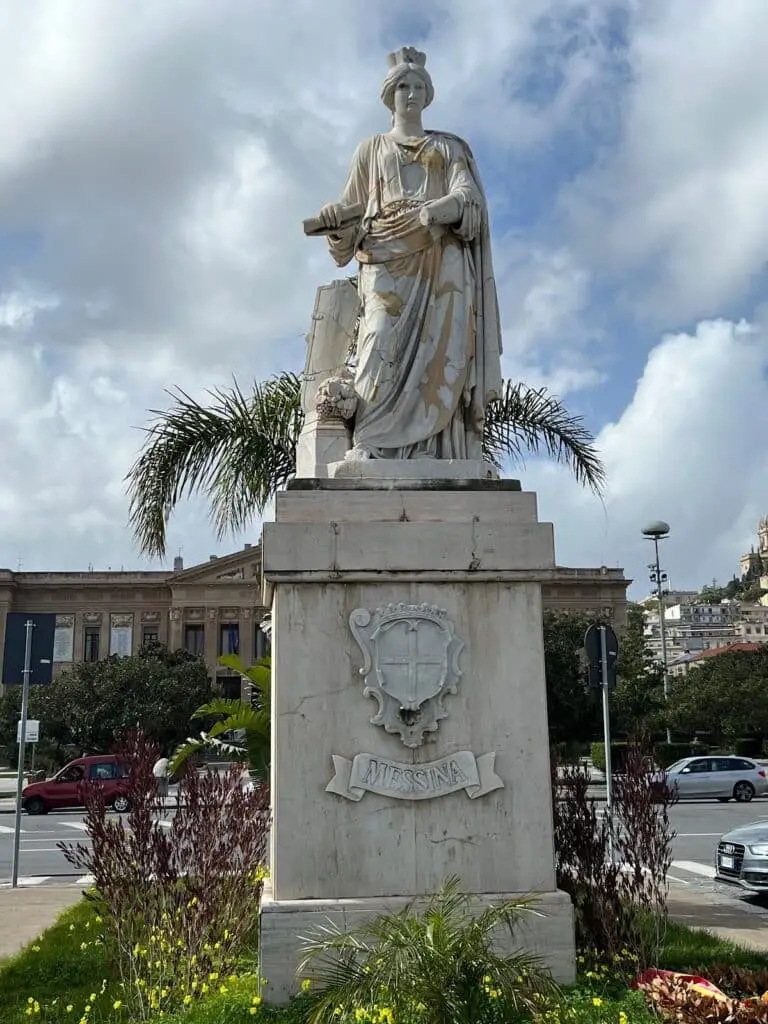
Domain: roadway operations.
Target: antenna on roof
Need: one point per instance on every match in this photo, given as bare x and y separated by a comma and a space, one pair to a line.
19, 564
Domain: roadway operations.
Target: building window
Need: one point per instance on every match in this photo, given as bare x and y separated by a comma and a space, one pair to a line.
229, 638
91, 638
262, 645
194, 639
149, 635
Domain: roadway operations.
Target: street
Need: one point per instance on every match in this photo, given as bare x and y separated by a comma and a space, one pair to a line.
698, 827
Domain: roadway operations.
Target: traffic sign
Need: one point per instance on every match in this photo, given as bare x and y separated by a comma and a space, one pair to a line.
593, 647
32, 732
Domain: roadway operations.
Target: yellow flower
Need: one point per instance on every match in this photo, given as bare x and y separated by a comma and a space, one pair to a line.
305, 985
622, 1017
213, 976
70, 1008
256, 1000
597, 1001
253, 1011
35, 949
223, 989
187, 999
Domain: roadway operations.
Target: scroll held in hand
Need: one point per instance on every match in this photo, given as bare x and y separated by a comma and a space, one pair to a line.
352, 216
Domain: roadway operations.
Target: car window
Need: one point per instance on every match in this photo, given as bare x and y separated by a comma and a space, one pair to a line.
701, 764
725, 764
740, 764
678, 765
107, 770
73, 774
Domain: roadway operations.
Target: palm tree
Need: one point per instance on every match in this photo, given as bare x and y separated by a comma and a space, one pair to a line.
251, 720
241, 449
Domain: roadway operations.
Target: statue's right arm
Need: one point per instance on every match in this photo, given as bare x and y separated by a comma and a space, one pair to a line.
342, 243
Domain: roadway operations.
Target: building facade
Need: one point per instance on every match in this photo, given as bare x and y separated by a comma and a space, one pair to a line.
214, 608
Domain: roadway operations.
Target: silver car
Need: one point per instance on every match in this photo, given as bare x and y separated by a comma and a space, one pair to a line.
742, 858
720, 777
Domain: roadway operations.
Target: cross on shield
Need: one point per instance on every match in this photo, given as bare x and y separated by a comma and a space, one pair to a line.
411, 660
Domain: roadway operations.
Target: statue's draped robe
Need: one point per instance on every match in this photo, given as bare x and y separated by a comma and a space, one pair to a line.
429, 339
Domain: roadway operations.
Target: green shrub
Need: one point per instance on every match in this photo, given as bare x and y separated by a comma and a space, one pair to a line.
748, 746
667, 753
618, 756
569, 751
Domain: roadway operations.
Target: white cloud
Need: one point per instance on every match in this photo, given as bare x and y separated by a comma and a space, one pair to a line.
154, 178
681, 205
688, 449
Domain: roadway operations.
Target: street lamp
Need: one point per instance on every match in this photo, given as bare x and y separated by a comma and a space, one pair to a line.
657, 531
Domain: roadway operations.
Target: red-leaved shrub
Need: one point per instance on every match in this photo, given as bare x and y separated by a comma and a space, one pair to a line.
614, 863
178, 895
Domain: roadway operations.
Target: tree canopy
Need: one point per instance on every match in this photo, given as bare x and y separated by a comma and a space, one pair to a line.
724, 697
91, 705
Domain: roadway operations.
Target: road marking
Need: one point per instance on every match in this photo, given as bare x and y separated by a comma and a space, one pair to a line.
27, 880
694, 868
693, 835
7, 830
79, 825
680, 881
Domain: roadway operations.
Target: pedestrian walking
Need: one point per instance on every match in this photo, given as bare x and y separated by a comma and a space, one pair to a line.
160, 772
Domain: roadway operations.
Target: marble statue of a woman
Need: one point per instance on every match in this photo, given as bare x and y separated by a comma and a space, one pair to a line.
429, 339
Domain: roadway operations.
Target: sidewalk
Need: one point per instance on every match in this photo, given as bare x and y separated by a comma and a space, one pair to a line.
26, 912
744, 925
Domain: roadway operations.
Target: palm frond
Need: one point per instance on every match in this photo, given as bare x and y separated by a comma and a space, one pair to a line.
531, 419
440, 955
238, 452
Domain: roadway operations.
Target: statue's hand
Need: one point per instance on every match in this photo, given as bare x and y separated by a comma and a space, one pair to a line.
331, 216
426, 217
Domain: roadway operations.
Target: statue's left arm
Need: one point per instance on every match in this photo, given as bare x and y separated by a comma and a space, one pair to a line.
463, 206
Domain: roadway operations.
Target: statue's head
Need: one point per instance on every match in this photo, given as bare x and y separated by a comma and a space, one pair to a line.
408, 83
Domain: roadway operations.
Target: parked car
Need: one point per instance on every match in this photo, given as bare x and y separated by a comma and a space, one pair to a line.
742, 858
721, 777
66, 788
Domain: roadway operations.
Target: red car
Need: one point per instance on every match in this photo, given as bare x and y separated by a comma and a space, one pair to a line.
65, 789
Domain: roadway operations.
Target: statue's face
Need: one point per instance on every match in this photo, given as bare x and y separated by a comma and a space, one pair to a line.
410, 94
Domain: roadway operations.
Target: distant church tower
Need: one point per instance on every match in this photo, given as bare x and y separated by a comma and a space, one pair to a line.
755, 563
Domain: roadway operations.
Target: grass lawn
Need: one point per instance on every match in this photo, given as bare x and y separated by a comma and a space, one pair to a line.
66, 970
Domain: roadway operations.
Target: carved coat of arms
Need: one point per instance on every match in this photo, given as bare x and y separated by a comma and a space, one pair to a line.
410, 662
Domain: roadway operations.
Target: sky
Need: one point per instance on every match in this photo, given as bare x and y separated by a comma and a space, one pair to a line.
155, 169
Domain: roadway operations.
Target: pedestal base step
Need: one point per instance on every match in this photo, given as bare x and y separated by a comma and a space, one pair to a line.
548, 932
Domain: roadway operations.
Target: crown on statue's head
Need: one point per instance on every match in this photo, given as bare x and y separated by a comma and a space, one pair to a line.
407, 55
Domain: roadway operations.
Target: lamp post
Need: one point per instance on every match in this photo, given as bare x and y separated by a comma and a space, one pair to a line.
655, 532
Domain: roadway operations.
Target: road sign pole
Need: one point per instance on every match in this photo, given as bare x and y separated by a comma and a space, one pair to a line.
606, 734
28, 626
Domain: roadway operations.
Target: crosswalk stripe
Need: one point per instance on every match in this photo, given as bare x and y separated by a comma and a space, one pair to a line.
79, 825
694, 868
27, 880
7, 830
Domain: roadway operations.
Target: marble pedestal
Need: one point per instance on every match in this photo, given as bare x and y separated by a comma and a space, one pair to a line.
362, 822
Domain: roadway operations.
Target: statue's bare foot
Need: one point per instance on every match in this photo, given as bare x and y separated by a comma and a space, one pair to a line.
358, 453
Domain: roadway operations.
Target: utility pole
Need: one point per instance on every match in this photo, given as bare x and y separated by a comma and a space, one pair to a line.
28, 627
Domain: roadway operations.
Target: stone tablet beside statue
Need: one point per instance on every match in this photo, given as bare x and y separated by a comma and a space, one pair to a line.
426, 356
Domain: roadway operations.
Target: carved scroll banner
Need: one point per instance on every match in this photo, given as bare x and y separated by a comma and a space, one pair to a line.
408, 781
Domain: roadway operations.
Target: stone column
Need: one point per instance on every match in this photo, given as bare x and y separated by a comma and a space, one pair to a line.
175, 629
409, 715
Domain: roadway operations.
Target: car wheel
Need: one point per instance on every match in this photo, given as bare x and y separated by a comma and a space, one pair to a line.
121, 804
743, 792
35, 806
723, 799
